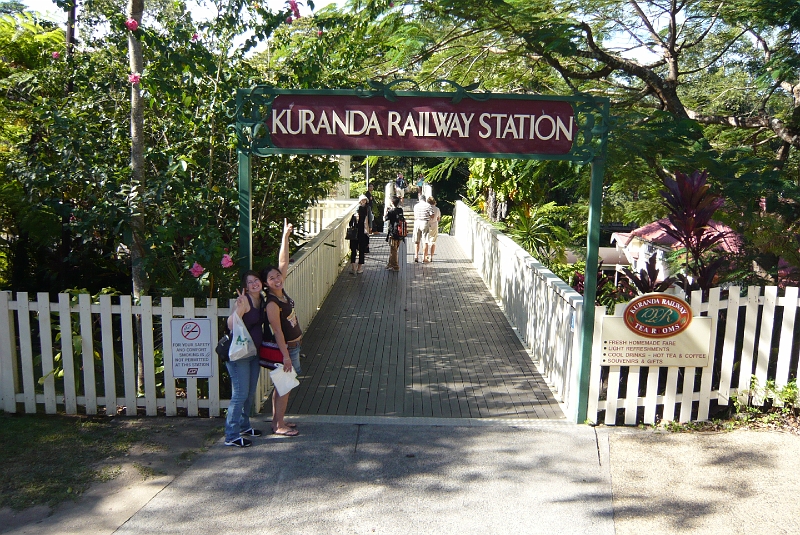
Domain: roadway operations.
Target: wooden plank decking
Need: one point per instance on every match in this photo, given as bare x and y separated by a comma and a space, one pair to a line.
427, 341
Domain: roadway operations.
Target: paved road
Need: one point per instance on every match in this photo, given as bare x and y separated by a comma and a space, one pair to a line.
354, 476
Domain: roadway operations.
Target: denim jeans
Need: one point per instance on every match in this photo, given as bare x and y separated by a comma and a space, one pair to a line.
244, 379
294, 354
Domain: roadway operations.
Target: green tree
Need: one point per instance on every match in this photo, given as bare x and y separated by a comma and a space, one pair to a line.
189, 197
9, 7
694, 85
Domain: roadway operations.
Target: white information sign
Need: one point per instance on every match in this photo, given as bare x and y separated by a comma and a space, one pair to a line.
623, 347
191, 348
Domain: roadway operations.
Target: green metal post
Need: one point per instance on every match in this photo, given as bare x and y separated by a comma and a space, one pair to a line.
245, 213
590, 284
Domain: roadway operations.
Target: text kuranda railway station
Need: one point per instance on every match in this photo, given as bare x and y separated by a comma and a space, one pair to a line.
429, 124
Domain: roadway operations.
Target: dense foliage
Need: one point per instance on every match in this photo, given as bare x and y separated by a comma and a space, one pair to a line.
67, 197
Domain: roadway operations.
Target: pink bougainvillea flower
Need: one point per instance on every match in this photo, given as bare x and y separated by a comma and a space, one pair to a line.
319, 33
134, 78
288, 20
227, 261
195, 37
196, 270
132, 25
56, 55
294, 7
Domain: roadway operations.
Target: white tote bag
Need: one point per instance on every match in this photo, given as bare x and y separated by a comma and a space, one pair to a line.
283, 381
242, 344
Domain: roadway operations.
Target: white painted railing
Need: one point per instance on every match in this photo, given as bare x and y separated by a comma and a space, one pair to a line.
545, 311
747, 339
94, 343
322, 214
747, 342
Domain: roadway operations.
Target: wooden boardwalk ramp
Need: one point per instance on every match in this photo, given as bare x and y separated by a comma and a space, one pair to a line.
427, 341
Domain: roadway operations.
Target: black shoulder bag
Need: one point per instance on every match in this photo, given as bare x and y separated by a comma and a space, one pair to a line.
224, 347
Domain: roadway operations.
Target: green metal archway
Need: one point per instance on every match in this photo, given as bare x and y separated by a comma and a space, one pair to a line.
381, 121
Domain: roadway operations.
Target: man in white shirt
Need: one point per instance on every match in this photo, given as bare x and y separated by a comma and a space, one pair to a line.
433, 230
422, 217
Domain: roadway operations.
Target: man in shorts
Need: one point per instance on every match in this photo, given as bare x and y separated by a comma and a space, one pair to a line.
422, 217
433, 230
400, 185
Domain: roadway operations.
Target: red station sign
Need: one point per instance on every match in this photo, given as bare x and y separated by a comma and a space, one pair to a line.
425, 124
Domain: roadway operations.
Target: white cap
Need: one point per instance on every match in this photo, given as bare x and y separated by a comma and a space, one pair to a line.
363, 198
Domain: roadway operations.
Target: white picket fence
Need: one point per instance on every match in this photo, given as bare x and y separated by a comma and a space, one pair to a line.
753, 336
97, 339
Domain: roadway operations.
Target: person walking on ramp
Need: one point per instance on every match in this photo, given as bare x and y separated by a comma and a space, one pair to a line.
422, 216
433, 230
395, 234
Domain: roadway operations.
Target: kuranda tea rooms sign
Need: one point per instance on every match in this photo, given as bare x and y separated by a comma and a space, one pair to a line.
656, 330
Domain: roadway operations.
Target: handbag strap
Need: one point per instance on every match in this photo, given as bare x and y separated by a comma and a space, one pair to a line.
266, 328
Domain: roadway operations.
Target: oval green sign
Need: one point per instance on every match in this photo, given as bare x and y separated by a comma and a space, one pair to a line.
657, 315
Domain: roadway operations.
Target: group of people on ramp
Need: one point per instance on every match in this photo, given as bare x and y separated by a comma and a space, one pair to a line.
426, 227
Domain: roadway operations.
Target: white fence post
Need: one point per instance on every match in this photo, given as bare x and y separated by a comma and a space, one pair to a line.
87, 352
67, 362
128, 355
46, 346
170, 398
146, 319
216, 373
107, 341
26, 352
790, 304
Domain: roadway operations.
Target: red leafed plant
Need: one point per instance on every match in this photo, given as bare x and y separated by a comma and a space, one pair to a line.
691, 205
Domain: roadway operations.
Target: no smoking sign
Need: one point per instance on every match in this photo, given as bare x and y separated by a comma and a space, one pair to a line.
191, 348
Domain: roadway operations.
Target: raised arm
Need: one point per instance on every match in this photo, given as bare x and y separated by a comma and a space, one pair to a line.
283, 255
242, 307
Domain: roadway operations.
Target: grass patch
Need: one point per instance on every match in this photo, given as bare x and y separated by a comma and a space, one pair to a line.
107, 473
148, 472
187, 456
47, 459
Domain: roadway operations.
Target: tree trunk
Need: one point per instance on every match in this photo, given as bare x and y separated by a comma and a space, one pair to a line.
491, 199
496, 210
65, 247
135, 203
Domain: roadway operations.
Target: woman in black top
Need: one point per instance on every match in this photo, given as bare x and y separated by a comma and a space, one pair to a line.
392, 216
361, 243
286, 328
